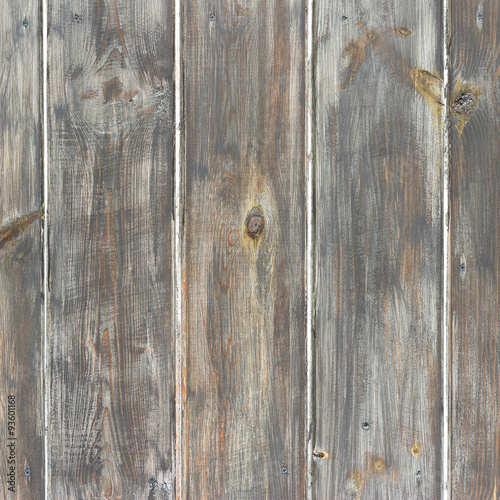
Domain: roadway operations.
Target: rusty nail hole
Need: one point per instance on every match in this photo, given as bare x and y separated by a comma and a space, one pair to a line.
344, 19
463, 103
415, 450
254, 222
212, 18
284, 470
365, 426
462, 267
25, 23
419, 474
27, 472
319, 454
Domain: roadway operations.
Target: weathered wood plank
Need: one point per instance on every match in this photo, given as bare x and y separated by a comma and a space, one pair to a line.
379, 249
475, 183
21, 258
245, 227
112, 414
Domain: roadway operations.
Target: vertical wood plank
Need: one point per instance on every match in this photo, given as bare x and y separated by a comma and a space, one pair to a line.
21, 288
245, 228
379, 249
112, 414
475, 183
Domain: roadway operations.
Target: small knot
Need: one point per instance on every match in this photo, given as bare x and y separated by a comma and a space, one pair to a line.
254, 223
404, 31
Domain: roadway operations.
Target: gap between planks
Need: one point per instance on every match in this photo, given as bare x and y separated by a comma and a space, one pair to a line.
310, 256
45, 242
446, 256
178, 250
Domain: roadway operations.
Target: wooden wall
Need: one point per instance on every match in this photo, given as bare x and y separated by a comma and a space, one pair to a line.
187, 310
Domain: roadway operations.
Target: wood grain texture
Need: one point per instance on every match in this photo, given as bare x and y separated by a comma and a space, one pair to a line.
475, 214
244, 232
112, 410
379, 249
21, 250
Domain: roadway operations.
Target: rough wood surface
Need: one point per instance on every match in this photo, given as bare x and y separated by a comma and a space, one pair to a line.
245, 227
475, 184
112, 413
379, 249
20, 252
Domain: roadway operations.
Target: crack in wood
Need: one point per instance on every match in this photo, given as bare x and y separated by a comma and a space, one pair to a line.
13, 229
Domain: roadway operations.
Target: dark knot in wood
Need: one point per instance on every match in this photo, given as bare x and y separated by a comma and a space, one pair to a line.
464, 103
255, 223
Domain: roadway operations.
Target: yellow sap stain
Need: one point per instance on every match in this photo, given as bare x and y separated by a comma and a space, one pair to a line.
355, 483
415, 449
378, 466
404, 31
429, 86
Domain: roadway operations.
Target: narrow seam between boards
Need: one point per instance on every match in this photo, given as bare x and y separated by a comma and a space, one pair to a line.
309, 292
45, 234
445, 441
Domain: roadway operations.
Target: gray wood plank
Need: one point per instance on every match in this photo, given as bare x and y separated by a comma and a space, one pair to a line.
379, 249
21, 263
112, 408
475, 183
244, 233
